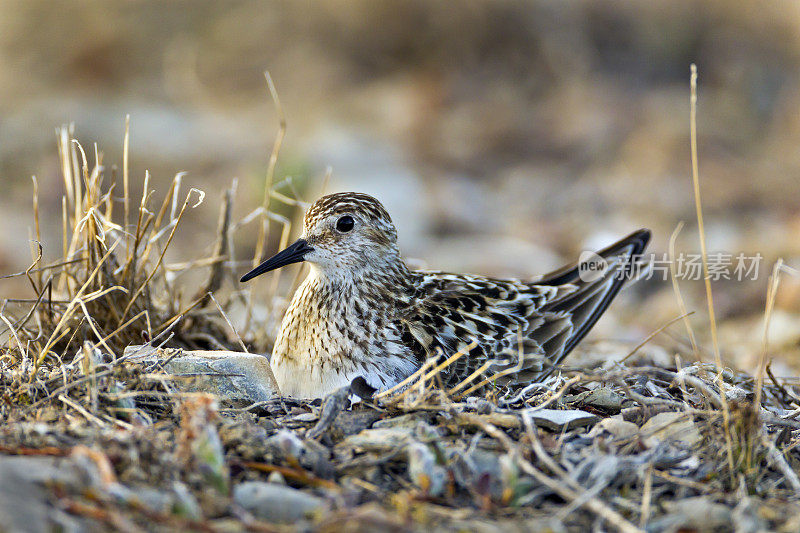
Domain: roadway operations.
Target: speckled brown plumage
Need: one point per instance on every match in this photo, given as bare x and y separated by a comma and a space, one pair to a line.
362, 312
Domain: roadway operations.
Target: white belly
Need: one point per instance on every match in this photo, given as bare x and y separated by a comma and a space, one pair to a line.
323, 346
304, 379
316, 374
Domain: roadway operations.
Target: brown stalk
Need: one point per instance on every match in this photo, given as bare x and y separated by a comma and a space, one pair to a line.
161, 256
703, 251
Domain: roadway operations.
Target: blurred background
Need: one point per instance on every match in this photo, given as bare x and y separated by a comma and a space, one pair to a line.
503, 137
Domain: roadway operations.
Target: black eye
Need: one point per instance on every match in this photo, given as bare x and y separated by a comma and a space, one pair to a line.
345, 223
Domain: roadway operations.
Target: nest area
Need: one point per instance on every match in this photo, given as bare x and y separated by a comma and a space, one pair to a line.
113, 443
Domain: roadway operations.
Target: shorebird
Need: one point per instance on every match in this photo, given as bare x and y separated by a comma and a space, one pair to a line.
361, 312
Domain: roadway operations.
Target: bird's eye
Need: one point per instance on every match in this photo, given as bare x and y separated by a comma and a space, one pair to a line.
345, 223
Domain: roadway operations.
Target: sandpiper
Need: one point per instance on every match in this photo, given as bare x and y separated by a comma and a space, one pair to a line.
361, 312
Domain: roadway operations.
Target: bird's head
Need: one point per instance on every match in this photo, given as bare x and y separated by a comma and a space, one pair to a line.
344, 234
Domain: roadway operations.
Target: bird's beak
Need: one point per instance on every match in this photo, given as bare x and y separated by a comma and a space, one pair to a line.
294, 253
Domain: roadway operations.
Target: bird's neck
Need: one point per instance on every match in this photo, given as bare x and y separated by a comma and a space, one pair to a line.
369, 283
332, 304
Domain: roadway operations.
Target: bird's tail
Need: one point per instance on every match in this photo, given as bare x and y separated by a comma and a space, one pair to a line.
598, 278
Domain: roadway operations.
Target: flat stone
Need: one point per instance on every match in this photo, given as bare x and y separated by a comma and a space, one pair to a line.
277, 503
560, 419
352, 422
410, 420
693, 514
378, 440
618, 428
601, 398
304, 417
235, 376
672, 426
25, 497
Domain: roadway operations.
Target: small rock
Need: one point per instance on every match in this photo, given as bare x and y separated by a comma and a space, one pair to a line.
276, 478
304, 417
672, 426
601, 398
423, 470
316, 457
185, 503
145, 497
482, 407
235, 376
24, 499
309, 453
558, 420
286, 444
246, 439
333, 404
276, 503
351, 422
606, 470
618, 428
409, 420
479, 470
699, 513
378, 440
735, 393
746, 518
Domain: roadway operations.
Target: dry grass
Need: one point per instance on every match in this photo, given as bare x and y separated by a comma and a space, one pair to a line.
704, 254
112, 286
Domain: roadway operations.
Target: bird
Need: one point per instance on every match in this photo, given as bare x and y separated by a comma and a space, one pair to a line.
361, 312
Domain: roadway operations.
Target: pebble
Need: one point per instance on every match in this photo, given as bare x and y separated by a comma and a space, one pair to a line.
185, 503
694, 514
671, 426
235, 376
24, 498
276, 478
423, 470
409, 420
558, 419
378, 440
276, 503
618, 428
352, 422
601, 398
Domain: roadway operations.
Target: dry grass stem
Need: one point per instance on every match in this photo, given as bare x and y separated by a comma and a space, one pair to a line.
677, 291
772, 290
704, 254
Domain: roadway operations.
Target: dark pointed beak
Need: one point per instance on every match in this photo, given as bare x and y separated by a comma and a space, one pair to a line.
294, 253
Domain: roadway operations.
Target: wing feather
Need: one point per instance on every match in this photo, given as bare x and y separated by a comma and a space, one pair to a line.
549, 316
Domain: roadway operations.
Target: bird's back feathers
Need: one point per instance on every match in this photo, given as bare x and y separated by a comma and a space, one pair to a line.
525, 327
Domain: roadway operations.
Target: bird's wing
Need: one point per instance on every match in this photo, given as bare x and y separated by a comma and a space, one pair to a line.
491, 320
592, 295
522, 329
